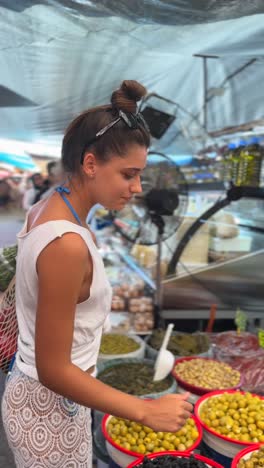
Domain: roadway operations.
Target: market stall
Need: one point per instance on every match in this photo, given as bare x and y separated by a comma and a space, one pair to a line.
190, 249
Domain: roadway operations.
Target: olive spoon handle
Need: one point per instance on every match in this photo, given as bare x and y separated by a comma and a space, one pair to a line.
167, 336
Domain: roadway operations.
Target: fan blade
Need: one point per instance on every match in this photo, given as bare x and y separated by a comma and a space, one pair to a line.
9, 98
163, 200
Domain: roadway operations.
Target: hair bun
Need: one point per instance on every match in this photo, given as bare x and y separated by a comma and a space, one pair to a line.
125, 98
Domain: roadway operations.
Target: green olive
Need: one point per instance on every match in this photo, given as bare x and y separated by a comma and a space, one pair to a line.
148, 441
231, 415
256, 460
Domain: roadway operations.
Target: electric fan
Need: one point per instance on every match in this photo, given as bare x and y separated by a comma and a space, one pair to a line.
169, 122
154, 215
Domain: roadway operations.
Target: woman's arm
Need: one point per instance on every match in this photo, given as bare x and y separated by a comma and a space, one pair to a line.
62, 267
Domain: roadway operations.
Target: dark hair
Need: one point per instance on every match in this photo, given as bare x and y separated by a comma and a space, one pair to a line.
115, 141
4, 183
36, 174
5, 192
50, 166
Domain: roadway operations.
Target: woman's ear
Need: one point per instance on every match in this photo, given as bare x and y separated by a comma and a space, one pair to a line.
89, 165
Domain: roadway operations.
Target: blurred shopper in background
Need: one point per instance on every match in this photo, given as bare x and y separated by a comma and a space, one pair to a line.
5, 193
55, 178
36, 185
41, 188
10, 196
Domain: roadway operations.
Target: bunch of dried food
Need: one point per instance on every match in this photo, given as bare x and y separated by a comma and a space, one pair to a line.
129, 289
143, 322
142, 304
118, 303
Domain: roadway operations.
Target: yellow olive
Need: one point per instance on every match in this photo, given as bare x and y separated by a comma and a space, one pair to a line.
255, 460
144, 440
239, 421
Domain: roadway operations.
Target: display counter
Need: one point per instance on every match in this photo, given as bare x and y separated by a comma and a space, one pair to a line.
223, 262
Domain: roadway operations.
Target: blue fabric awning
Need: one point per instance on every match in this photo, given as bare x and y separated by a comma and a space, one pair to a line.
21, 161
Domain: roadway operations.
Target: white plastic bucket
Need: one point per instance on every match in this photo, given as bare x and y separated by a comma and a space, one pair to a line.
206, 461
123, 457
98, 415
101, 464
152, 353
106, 365
245, 455
221, 448
138, 353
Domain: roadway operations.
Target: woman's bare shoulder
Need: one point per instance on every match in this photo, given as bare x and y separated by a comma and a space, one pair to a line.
70, 244
36, 215
66, 257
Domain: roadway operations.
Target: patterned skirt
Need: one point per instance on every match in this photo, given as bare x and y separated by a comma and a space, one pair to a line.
45, 430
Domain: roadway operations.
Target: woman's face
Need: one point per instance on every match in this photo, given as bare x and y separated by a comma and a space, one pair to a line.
117, 180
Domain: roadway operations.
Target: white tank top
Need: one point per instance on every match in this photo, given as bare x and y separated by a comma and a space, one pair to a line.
90, 315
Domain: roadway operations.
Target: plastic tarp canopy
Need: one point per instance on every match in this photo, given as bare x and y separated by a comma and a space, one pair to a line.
60, 57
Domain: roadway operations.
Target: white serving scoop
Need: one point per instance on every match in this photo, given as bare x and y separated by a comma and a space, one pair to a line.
165, 359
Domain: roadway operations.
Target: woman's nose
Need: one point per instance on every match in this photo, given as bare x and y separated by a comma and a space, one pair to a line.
136, 187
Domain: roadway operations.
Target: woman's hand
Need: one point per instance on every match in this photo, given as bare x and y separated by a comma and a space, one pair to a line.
168, 413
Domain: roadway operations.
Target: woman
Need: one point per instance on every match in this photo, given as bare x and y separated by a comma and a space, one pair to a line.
63, 297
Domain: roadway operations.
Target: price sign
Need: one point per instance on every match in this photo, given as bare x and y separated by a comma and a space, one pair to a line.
261, 338
240, 321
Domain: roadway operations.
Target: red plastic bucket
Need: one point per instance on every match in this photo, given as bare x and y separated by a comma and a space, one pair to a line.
207, 461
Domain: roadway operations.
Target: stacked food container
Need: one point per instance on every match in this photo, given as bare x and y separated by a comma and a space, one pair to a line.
126, 441
226, 427
122, 365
